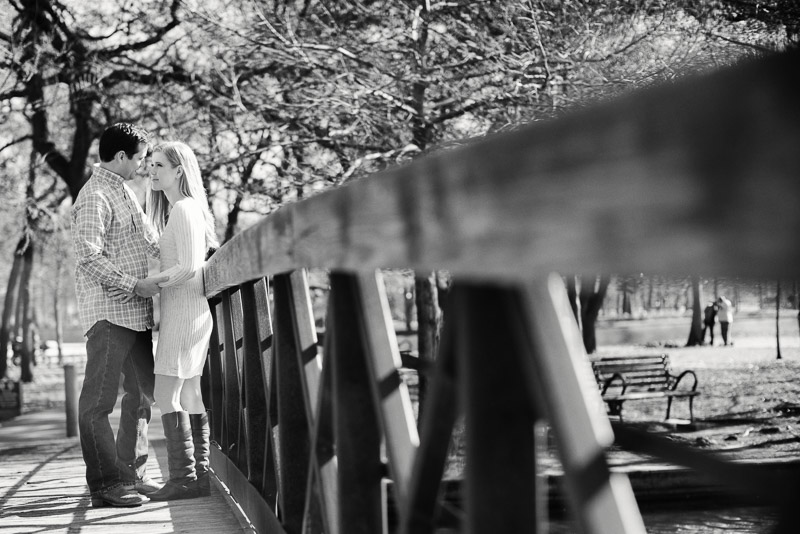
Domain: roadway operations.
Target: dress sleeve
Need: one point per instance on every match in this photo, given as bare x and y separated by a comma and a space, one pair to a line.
189, 241
91, 219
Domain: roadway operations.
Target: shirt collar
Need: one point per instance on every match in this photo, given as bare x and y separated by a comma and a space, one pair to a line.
105, 174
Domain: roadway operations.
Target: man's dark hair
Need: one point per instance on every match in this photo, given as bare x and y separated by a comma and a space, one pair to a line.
121, 136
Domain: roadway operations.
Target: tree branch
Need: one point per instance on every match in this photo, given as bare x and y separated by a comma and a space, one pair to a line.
153, 39
15, 93
738, 42
15, 141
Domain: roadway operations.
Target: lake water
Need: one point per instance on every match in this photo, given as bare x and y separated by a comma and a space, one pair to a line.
676, 329
713, 520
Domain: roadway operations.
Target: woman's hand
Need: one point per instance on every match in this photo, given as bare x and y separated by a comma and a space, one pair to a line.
120, 295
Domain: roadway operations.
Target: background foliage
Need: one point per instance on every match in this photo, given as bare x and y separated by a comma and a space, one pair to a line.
284, 99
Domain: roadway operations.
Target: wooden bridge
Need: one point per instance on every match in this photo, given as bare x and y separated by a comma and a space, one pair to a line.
43, 485
702, 176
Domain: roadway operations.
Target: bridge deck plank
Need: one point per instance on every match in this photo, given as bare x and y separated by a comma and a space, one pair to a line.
42, 488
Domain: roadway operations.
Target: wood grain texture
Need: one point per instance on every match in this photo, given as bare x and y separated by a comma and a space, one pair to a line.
383, 361
696, 176
43, 488
559, 369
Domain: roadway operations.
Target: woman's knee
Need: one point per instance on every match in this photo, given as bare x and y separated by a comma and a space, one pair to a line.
191, 396
167, 393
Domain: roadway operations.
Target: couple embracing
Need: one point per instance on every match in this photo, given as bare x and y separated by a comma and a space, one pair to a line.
113, 238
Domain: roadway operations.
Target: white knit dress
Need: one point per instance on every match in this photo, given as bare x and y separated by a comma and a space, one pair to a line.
185, 315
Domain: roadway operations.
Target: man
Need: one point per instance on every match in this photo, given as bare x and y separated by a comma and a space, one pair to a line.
725, 318
111, 242
709, 319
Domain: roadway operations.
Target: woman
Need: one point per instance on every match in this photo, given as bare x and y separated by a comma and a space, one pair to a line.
178, 209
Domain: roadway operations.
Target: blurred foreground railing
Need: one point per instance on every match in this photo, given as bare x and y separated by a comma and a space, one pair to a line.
700, 176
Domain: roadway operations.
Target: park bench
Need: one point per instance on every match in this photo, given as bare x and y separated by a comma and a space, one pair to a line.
640, 377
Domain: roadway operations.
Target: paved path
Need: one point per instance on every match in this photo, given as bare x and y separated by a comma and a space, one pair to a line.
42, 487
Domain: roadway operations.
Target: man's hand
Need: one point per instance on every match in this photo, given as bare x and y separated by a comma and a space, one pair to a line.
120, 295
147, 287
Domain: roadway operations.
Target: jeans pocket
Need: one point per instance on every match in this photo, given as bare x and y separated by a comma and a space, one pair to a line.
95, 327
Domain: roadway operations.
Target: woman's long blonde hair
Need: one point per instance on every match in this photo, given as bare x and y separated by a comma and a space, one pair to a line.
191, 185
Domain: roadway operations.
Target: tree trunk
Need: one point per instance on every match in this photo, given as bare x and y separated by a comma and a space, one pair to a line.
25, 315
778, 319
428, 324
7, 327
696, 330
57, 319
626, 298
408, 306
592, 294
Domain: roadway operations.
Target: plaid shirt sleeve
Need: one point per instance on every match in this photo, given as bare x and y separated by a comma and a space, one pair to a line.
91, 219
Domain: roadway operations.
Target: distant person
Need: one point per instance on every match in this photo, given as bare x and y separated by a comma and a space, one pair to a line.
112, 242
178, 209
709, 320
725, 313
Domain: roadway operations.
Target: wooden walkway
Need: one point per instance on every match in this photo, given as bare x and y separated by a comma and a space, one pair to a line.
42, 488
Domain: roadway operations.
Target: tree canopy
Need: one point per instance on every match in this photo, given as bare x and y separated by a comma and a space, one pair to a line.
285, 99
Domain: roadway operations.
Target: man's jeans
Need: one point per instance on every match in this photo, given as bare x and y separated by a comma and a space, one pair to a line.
113, 351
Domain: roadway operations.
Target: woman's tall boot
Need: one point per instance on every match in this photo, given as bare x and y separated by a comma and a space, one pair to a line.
201, 436
180, 459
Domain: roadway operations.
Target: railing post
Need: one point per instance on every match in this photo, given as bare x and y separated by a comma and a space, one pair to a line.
233, 431
216, 388
71, 397
356, 430
258, 360
602, 501
295, 358
499, 414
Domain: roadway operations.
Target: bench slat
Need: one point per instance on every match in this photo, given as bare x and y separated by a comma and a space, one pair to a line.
642, 395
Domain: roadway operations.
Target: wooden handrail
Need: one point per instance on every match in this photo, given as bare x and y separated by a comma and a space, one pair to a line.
698, 176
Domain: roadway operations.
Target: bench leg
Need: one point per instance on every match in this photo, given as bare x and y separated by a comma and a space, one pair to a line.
691, 408
615, 408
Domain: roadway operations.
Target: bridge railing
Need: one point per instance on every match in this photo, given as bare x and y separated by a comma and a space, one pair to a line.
702, 176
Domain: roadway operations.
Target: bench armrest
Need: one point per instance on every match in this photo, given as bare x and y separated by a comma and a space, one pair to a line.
610, 383
675, 380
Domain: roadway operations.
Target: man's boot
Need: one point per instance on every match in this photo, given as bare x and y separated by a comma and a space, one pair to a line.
180, 459
201, 436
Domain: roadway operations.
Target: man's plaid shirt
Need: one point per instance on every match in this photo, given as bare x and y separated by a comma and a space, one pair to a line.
112, 239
